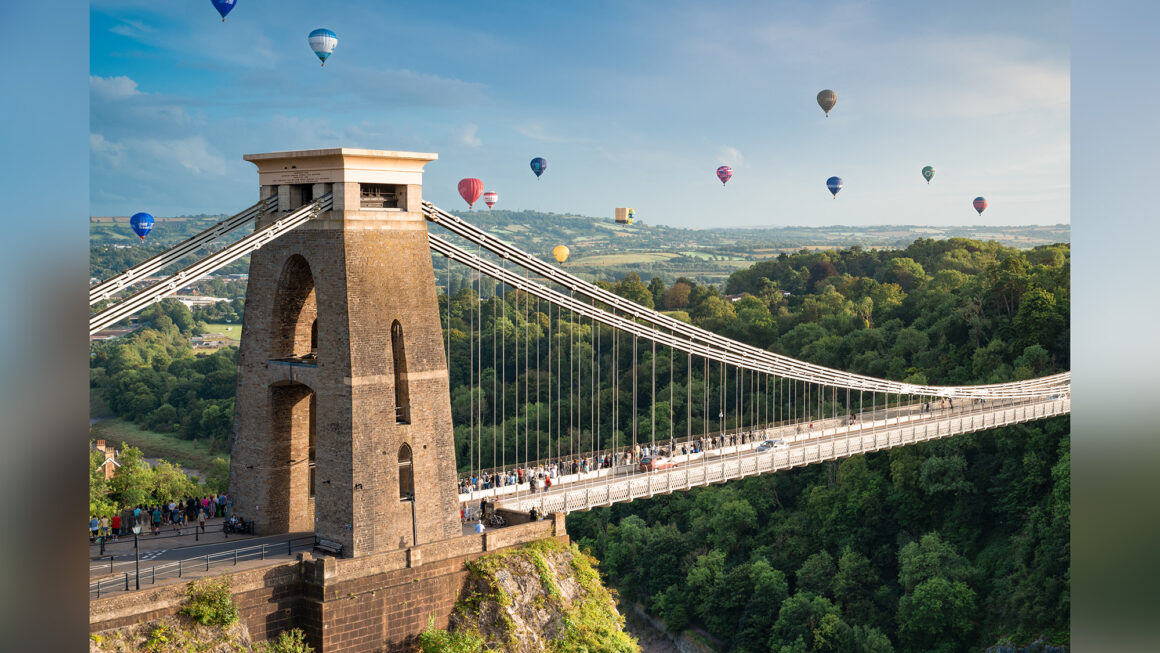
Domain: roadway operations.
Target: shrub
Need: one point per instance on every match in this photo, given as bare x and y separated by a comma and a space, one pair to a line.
210, 602
289, 641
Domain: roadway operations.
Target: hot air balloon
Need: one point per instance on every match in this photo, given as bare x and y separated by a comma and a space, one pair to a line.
631, 215
561, 253
826, 100
490, 198
470, 190
323, 42
142, 224
928, 173
224, 7
980, 205
539, 165
835, 185
724, 173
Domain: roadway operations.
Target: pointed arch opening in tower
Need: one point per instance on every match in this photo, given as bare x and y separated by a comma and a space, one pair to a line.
406, 474
294, 336
402, 393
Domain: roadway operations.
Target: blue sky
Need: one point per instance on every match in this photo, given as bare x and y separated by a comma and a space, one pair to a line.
633, 104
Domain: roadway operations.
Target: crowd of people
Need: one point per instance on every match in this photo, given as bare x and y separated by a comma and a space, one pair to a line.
544, 475
193, 511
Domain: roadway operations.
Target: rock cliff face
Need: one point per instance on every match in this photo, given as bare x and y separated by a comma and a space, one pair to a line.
542, 596
173, 634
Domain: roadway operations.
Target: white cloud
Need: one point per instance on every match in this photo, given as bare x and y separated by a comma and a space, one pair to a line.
467, 136
537, 130
730, 156
112, 88
113, 153
153, 156
193, 154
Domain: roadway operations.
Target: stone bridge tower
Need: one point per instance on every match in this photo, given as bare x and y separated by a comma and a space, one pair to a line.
343, 414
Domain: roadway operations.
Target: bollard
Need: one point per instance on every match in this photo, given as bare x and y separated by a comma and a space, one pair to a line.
179, 569
98, 589
195, 535
235, 557
153, 575
289, 548
126, 581
102, 546
263, 550
207, 562
111, 564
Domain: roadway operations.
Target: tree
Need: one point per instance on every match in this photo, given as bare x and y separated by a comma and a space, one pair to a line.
905, 272
1037, 322
633, 289
677, 296
854, 586
656, 287
930, 557
814, 620
132, 484
817, 574
936, 616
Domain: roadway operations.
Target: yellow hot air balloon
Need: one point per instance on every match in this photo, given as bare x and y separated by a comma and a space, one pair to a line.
561, 253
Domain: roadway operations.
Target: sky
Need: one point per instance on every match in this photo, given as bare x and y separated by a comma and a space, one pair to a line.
632, 104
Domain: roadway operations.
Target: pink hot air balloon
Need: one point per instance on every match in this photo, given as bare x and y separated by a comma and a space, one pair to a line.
724, 173
470, 189
490, 198
980, 205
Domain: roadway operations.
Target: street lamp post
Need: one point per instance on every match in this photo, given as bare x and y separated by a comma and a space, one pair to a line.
137, 553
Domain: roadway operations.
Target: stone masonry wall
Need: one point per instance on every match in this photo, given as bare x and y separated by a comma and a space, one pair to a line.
378, 602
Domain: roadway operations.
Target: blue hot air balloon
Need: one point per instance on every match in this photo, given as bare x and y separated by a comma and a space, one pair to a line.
835, 185
539, 165
224, 7
142, 224
323, 42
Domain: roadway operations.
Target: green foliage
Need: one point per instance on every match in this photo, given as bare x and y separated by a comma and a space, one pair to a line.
289, 641
438, 640
210, 602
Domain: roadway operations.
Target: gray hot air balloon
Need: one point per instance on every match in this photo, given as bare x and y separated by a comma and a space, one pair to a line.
826, 100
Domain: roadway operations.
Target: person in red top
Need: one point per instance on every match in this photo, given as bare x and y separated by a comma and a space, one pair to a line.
116, 526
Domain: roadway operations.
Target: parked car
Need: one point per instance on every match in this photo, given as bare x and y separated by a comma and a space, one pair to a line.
653, 463
772, 445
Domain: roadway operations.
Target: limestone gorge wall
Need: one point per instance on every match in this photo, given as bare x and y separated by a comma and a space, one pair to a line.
542, 596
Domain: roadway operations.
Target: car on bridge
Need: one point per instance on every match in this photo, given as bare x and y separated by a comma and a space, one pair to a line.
653, 463
772, 445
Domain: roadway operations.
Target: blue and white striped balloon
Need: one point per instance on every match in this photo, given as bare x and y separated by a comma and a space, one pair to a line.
323, 42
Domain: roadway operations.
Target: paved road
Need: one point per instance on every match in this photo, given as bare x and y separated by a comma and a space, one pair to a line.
124, 559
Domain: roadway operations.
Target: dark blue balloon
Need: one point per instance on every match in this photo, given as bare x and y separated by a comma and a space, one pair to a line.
142, 224
224, 7
539, 165
834, 184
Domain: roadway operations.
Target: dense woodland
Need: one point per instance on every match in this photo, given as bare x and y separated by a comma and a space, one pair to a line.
951, 545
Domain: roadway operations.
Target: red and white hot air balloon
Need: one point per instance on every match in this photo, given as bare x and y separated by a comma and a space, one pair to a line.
490, 198
470, 189
724, 173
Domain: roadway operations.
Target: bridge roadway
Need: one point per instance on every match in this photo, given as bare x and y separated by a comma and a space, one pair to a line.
827, 441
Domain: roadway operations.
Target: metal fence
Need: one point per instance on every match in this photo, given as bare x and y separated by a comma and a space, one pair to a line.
140, 575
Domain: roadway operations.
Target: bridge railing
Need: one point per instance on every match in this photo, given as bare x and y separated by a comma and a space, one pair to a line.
731, 440
133, 579
583, 496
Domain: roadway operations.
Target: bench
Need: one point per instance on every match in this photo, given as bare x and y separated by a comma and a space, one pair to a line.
328, 546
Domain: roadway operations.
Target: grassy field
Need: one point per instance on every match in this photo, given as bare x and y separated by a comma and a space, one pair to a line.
231, 331
187, 453
622, 259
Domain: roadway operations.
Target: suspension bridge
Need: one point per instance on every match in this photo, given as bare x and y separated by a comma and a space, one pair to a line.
576, 397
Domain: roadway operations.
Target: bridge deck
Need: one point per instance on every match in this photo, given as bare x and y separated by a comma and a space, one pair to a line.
804, 449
